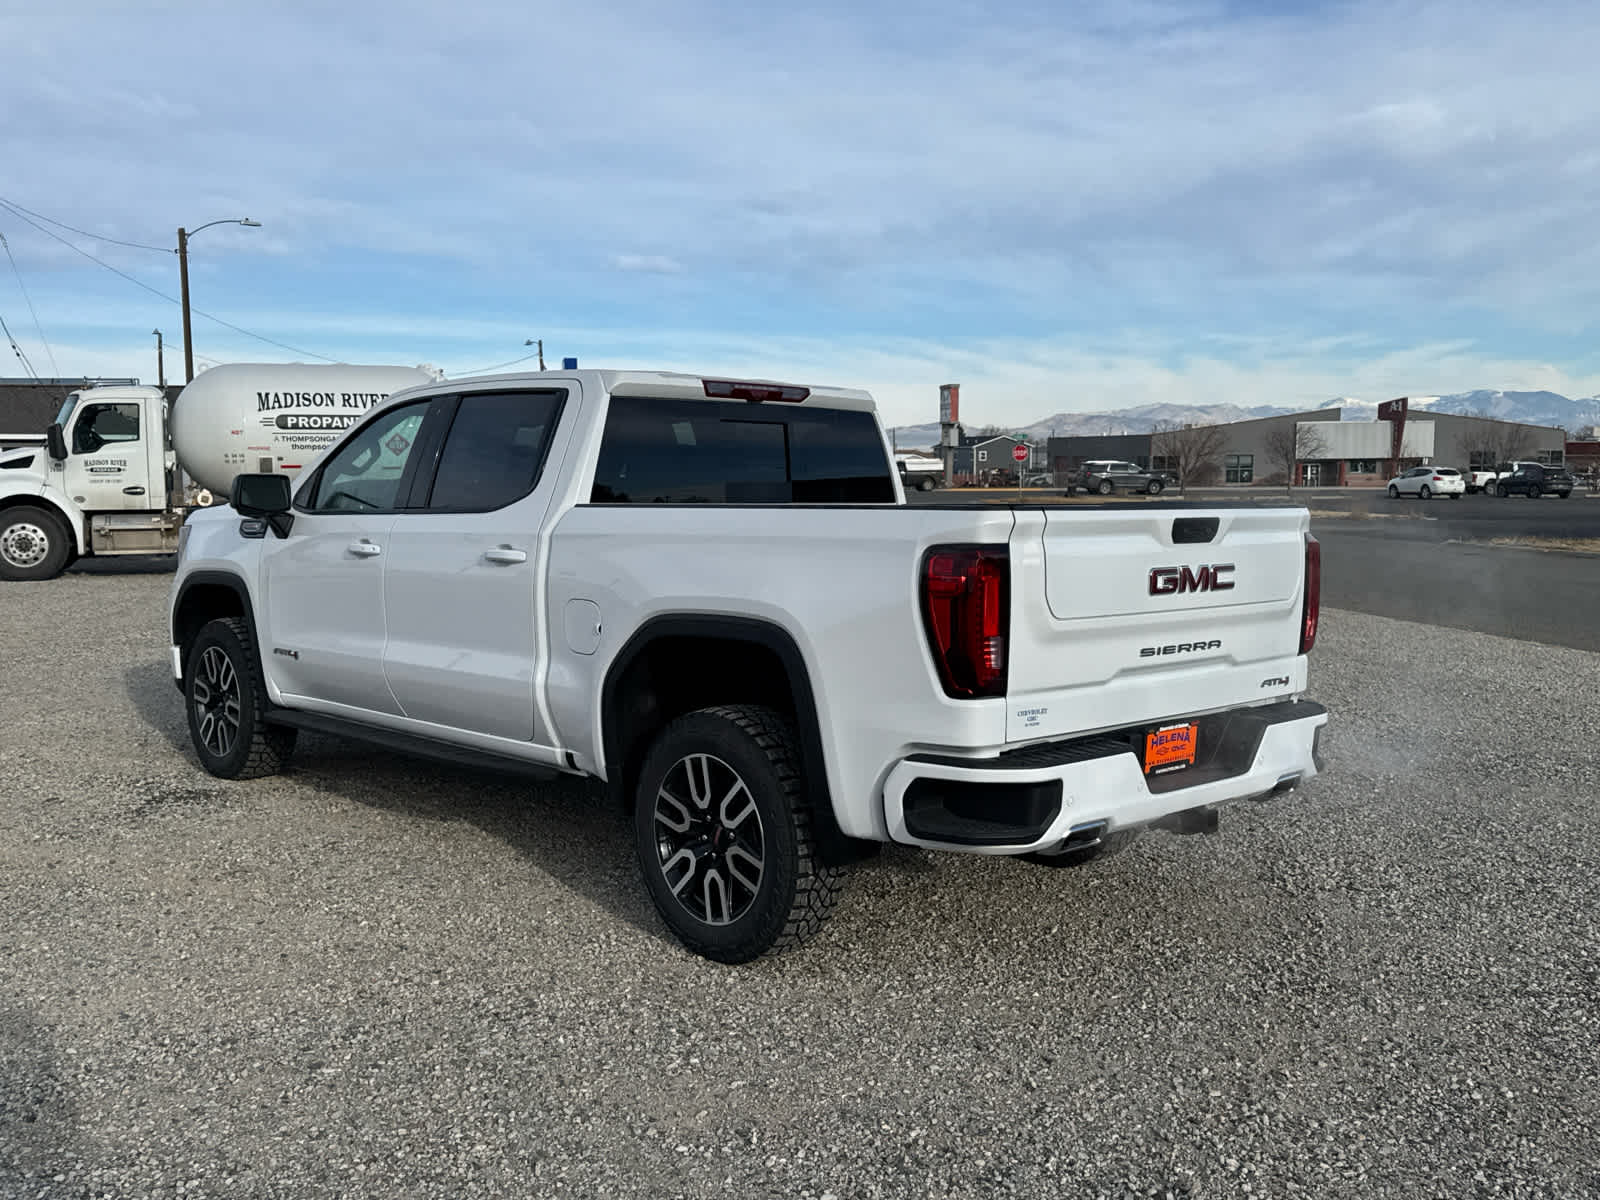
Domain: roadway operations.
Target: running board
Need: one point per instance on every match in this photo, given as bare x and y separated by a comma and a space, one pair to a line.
410, 744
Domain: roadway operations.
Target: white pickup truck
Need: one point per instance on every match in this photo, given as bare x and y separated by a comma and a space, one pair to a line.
712, 595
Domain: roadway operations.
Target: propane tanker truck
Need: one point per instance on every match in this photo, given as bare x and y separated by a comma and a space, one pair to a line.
111, 477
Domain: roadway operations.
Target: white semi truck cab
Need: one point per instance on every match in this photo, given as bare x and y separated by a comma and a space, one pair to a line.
122, 468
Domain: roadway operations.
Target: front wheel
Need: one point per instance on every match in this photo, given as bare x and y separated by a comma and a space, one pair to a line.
226, 699
1426, 493
1155, 487
34, 544
723, 829
1500, 492
1394, 492
1533, 491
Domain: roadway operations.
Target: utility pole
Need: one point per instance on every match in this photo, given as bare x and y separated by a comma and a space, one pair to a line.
161, 370
183, 276
540, 344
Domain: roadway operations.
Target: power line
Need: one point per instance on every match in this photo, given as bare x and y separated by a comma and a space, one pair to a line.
157, 291
498, 366
17, 349
99, 237
40, 328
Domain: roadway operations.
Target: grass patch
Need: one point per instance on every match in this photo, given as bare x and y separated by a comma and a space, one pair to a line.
1573, 545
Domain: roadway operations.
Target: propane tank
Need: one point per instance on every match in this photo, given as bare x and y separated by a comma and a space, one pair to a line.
273, 417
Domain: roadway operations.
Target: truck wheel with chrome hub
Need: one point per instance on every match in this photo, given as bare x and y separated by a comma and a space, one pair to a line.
226, 701
723, 829
34, 544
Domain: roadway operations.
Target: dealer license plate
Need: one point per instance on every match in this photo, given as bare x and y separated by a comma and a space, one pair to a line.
1170, 748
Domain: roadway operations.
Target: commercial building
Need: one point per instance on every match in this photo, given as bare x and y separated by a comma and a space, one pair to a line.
1328, 451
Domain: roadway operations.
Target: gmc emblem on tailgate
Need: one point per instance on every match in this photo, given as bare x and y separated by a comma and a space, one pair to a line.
1164, 581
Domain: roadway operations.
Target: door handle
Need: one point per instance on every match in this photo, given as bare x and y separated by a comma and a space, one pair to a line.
133, 491
506, 554
364, 549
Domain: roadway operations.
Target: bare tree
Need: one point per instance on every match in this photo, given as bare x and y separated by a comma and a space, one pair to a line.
1494, 441
1288, 445
1191, 450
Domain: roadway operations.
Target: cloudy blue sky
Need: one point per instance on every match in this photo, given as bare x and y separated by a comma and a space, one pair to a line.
1062, 206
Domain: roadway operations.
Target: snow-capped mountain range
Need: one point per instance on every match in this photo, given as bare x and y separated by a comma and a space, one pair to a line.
1531, 408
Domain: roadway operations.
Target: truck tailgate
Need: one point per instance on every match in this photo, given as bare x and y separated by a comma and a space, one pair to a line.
1138, 615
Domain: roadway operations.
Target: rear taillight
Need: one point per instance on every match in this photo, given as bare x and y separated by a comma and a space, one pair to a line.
966, 598
1312, 608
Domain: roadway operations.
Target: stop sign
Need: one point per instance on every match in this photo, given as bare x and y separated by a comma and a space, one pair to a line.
1019, 453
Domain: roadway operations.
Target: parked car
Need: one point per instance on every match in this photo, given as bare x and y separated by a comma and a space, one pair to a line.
1107, 476
1478, 481
1428, 482
1533, 480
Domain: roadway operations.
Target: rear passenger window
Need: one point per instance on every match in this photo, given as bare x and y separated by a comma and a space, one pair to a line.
658, 451
494, 450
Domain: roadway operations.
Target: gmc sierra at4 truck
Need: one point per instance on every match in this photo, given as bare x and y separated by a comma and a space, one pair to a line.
711, 595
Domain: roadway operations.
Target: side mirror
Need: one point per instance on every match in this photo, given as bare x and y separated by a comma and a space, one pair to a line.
56, 442
265, 497
259, 495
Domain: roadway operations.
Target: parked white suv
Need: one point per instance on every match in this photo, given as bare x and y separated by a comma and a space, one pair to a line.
711, 595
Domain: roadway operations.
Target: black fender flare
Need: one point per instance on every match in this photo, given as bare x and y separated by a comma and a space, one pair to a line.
223, 579
835, 846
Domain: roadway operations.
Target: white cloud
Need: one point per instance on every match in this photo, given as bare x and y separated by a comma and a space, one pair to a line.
1059, 205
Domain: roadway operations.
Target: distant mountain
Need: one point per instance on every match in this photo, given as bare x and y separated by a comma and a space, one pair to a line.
1131, 420
1531, 408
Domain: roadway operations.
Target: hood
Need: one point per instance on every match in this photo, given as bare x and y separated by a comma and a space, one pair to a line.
20, 459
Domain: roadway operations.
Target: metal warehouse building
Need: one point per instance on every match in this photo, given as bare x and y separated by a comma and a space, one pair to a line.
1332, 452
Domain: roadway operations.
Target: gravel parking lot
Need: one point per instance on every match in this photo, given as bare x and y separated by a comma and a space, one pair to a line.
377, 977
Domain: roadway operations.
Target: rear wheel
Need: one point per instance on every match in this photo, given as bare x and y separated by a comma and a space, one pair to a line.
34, 544
226, 699
925, 485
1105, 488
723, 830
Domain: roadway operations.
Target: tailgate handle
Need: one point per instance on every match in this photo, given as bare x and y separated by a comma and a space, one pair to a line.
1190, 531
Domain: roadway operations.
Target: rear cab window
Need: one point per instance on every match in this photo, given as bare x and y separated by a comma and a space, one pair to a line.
673, 451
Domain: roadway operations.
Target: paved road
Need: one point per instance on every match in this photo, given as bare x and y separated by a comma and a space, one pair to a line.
1391, 570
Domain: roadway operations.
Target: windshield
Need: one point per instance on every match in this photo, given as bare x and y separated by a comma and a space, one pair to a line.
67, 405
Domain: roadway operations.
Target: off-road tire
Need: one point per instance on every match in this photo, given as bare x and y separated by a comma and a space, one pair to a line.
796, 891
34, 544
237, 695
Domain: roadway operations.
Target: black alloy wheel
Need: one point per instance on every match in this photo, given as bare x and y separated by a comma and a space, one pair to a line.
723, 830
226, 700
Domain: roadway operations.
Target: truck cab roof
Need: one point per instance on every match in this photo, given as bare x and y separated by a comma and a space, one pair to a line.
676, 385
